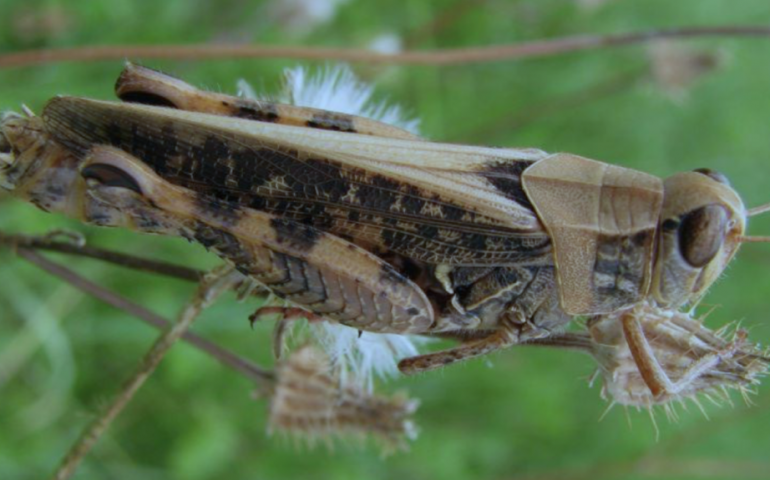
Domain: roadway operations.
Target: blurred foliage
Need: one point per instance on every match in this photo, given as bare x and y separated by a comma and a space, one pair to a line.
525, 413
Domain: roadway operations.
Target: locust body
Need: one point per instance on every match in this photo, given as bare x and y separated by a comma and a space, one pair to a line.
365, 224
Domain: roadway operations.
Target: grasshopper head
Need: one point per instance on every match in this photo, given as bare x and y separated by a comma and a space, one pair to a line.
702, 224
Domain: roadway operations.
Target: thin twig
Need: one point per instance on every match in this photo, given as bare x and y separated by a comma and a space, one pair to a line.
458, 56
255, 373
210, 288
116, 258
494, 127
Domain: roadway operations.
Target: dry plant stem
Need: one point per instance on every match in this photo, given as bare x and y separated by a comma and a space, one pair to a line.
210, 288
261, 376
116, 258
495, 127
459, 56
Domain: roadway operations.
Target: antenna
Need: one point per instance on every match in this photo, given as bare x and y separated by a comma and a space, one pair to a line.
757, 210
753, 239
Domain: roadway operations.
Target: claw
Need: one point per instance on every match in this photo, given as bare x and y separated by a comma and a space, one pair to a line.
279, 331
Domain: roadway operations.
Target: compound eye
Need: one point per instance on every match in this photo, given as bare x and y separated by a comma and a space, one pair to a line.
714, 175
702, 234
110, 176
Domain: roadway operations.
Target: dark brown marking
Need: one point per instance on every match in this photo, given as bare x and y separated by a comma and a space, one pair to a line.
714, 175
511, 280
134, 76
302, 237
332, 121
259, 111
227, 212
226, 245
505, 175
623, 259
146, 98
464, 276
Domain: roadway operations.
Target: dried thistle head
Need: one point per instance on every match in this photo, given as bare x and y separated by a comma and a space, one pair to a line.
697, 360
675, 68
312, 403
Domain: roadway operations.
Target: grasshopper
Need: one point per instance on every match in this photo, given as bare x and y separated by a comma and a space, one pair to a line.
368, 225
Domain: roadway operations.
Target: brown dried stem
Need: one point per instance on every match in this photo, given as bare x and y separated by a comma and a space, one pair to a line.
129, 261
210, 288
255, 373
491, 129
458, 56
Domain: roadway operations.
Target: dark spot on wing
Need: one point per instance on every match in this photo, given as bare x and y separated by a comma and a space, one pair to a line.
427, 231
228, 212
114, 133
453, 213
149, 146
506, 177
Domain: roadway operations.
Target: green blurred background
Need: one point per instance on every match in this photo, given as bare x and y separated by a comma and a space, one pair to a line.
525, 413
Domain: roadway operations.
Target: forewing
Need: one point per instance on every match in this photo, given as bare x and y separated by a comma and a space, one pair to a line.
437, 203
